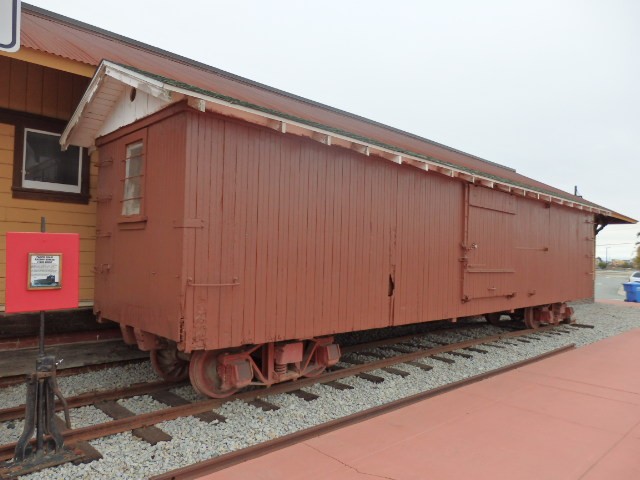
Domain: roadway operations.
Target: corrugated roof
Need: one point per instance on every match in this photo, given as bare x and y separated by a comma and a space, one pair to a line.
57, 35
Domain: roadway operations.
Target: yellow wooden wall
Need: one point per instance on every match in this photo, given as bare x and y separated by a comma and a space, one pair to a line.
52, 93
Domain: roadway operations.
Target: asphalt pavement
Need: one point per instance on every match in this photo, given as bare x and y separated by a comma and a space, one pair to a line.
609, 284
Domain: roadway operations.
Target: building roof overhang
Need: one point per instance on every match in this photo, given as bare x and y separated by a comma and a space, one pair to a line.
94, 118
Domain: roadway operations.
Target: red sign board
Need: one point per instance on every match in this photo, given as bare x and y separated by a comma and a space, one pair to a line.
42, 271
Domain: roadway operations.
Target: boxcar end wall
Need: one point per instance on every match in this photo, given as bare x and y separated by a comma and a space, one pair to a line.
247, 236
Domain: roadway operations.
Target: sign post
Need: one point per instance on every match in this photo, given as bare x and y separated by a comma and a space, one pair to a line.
42, 274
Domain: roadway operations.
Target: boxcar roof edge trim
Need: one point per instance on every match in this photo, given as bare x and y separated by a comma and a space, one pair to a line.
108, 68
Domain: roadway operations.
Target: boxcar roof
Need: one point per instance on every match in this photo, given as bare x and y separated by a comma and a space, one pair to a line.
61, 36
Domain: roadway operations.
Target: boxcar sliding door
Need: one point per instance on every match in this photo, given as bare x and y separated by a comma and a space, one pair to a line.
489, 269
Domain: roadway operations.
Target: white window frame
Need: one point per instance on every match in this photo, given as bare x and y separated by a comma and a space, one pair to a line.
54, 187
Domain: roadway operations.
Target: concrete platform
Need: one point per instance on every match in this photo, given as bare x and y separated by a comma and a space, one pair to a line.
572, 416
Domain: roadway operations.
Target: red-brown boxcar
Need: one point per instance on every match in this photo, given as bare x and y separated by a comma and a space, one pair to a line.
233, 241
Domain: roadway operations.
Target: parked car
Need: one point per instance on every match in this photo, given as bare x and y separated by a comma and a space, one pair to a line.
634, 277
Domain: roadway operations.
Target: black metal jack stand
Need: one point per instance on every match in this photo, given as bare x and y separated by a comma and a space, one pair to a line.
40, 408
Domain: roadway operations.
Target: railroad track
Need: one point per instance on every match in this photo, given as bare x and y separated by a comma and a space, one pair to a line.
397, 351
91, 398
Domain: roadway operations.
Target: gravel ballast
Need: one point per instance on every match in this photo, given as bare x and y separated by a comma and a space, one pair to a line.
128, 457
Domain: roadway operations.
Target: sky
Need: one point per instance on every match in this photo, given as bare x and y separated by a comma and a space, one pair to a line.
550, 88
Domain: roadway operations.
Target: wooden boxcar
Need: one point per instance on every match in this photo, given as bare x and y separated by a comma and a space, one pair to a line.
233, 248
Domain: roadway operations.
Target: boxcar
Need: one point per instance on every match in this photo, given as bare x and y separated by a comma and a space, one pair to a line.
233, 251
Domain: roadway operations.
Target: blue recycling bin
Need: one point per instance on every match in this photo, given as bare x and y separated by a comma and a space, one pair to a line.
632, 289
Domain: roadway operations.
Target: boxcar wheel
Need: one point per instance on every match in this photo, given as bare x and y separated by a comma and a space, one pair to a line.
203, 373
493, 318
530, 318
314, 371
168, 365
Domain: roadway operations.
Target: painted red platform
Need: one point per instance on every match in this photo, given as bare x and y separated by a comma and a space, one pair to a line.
572, 416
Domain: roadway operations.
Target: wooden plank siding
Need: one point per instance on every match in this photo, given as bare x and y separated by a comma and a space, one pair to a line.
298, 226
312, 234
39, 90
51, 93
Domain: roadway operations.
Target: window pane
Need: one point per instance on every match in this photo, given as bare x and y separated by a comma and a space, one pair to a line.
134, 160
131, 207
45, 162
132, 188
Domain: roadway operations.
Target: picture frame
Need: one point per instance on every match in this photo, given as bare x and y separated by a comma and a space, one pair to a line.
44, 271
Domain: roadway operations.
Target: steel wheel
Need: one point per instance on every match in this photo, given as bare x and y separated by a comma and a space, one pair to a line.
203, 373
169, 365
314, 371
493, 318
530, 319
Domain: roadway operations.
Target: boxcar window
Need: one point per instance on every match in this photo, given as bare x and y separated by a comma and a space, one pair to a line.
46, 167
132, 195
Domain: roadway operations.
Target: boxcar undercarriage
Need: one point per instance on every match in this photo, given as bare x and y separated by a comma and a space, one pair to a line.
221, 373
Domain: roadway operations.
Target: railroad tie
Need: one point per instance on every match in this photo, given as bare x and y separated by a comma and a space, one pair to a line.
89, 454
523, 340
370, 378
581, 325
172, 400
492, 345
442, 359
395, 371
477, 350
512, 328
399, 349
338, 385
465, 334
151, 435
306, 396
374, 355
263, 405
460, 354
420, 365
353, 361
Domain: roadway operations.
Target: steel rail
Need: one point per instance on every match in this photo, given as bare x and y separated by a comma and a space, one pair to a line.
221, 462
89, 398
147, 419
